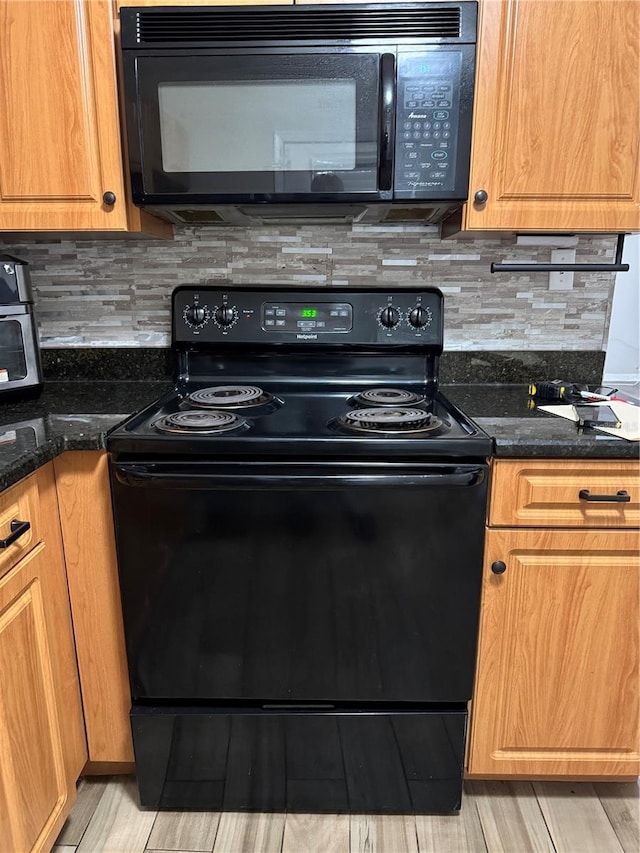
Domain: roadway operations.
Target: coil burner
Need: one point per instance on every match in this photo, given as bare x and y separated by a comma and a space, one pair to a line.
400, 419
387, 397
200, 423
230, 397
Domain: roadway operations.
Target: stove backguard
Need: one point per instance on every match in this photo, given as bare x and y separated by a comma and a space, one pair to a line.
316, 321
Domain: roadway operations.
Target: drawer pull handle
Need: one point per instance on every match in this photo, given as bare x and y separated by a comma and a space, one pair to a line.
620, 497
18, 528
498, 568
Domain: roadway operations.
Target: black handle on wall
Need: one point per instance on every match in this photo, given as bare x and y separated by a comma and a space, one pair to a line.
616, 266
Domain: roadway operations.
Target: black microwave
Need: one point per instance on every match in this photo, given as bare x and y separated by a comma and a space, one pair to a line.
353, 111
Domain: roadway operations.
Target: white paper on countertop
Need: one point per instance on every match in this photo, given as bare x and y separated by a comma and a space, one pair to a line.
628, 414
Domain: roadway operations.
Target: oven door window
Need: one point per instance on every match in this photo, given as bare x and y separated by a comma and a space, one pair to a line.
13, 365
286, 124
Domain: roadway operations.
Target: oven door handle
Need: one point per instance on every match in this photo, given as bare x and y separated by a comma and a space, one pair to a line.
143, 476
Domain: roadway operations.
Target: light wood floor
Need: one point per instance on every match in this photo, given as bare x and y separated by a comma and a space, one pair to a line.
498, 817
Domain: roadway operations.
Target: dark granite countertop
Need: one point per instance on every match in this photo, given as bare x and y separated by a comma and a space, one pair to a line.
75, 415
502, 412
66, 416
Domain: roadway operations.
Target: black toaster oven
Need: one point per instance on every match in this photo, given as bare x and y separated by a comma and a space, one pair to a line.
20, 365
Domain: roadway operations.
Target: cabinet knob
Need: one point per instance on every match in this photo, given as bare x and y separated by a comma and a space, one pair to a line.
498, 567
481, 197
109, 198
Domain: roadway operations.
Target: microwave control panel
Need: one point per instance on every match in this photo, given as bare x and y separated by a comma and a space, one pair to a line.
427, 122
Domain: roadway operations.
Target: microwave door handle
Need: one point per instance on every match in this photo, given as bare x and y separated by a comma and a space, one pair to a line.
387, 119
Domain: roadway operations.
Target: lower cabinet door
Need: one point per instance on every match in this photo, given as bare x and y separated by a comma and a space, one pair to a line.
558, 664
34, 796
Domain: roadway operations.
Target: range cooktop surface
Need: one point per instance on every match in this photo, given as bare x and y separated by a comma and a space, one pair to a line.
304, 373
289, 419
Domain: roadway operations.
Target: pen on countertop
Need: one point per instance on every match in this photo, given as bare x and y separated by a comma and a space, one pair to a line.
596, 398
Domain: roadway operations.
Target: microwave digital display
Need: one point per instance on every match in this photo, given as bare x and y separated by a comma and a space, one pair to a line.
436, 65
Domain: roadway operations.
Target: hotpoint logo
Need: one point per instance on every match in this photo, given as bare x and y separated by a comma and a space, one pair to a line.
307, 337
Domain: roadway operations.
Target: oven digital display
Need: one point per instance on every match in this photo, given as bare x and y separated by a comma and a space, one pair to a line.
304, 318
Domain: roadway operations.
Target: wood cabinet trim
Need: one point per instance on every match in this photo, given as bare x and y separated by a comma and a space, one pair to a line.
61, 638
103, 98
84, 496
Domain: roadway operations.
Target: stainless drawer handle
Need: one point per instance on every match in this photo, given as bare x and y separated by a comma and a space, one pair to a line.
620, 497
18, 528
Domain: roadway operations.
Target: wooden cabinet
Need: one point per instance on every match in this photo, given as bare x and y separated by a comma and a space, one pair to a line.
556, 133
550, 493
60, 138
42, 746
84, 496
558, 679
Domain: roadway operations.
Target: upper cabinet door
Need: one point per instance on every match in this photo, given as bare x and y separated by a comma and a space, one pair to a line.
60, 134
556, 137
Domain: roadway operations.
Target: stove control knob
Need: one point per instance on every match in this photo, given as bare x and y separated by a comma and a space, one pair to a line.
389, 317
195, 315
419, 317
225, 316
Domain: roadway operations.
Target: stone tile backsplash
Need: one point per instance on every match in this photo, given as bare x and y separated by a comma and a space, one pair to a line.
117, 292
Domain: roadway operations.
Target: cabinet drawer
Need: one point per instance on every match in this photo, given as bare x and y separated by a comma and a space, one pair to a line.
561, 494
19, 503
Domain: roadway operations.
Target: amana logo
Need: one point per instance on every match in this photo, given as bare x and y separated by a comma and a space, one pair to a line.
307, 337
417, 115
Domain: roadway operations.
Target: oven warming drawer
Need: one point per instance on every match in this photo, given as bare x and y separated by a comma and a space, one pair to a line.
275, 760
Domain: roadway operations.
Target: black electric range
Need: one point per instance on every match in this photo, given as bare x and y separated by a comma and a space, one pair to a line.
300, 532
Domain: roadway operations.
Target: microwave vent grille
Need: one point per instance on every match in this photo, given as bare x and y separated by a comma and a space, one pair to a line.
244, 215
301, 24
